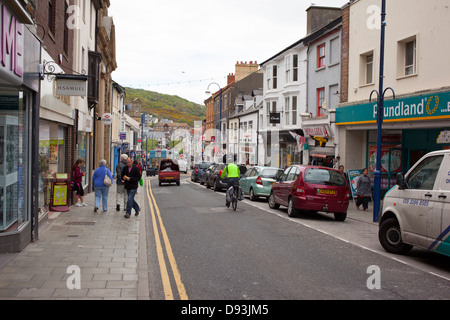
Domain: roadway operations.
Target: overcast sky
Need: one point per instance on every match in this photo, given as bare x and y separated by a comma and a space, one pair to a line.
179, 47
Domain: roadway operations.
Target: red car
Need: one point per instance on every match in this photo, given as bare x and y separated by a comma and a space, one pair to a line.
169, 171
312, 188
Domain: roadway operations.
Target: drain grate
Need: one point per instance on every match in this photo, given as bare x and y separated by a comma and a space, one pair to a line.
80, 223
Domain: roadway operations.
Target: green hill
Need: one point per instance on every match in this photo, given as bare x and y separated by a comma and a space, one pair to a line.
167, 106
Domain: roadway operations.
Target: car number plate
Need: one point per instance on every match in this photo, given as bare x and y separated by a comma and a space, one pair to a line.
169, 177
326, 191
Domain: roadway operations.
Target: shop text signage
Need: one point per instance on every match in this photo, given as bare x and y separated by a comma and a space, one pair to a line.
70, 87
275, 117
320, 131
424, 107
12, 43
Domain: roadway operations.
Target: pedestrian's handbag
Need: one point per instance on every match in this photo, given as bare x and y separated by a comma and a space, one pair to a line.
107, 181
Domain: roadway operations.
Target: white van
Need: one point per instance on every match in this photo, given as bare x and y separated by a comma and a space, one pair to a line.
416, 212
183, 165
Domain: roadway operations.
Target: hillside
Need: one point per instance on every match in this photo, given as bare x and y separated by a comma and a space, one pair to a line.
167, 106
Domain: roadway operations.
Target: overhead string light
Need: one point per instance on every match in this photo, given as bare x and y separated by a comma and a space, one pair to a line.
175, 83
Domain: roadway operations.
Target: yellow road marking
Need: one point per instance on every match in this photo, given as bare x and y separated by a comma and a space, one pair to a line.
171, 257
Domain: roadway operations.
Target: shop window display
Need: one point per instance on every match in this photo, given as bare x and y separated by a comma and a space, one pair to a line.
13, 160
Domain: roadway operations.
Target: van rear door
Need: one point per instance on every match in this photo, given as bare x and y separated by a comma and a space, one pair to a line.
440, 224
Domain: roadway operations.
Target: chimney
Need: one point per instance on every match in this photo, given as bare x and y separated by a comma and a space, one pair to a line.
230, 79
243, 69
317, 17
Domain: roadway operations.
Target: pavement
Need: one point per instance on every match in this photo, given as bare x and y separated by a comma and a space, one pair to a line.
107, 251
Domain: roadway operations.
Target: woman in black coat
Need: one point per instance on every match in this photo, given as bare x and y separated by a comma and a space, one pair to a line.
130, 177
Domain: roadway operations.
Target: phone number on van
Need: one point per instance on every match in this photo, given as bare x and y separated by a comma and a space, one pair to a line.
416, 202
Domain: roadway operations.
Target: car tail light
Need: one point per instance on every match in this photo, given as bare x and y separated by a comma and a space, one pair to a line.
347, 195
220, 172
259, 181
300, 191
196, 170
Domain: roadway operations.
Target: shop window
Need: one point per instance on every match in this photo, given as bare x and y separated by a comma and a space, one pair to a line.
14, 161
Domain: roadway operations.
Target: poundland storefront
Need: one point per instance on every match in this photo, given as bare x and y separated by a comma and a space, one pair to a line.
411, 128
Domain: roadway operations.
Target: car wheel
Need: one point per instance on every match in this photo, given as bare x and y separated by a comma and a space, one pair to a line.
252, 195
291, 210
340, 216
216, 185
390, 237
178, 183
272, 203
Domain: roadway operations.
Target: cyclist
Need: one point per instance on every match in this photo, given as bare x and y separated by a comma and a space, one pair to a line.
234, 174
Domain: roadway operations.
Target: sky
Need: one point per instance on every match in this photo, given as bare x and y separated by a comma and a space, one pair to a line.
181, 47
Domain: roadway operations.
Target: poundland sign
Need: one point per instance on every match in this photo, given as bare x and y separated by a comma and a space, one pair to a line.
418, 108
12, 42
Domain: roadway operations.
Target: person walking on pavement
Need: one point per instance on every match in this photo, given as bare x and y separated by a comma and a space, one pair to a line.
77, 176
131, 176
101, 190
363, 190
121, 195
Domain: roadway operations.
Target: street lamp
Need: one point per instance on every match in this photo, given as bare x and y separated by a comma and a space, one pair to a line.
380, 107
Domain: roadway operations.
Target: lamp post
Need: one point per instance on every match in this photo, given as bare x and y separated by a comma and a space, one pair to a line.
220, 111
380, 110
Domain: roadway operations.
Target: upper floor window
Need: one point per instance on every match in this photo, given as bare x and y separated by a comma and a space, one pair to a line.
295, 67
320, 100
366, 68
410, 57
51, 16
321, 56
406, 60
274, 77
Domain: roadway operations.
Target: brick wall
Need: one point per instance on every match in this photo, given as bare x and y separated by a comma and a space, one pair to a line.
53, 42
344, 53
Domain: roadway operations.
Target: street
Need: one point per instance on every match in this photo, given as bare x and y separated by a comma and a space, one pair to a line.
255, 253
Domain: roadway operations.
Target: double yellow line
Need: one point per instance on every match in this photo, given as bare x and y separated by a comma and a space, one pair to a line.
160, 251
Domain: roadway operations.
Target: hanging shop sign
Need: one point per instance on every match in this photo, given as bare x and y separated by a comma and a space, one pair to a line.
434, 106
70, 85
11, 46
318, 130
275, 117
107, 118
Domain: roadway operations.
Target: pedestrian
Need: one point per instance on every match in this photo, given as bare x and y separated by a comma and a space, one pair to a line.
341, 169
77, 177
363, 190
121, 195
131, 176
101, 190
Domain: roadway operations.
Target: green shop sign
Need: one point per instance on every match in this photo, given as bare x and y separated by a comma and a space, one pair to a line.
418, 108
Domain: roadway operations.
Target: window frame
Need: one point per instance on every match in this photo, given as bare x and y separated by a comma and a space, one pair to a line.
321, 56
320, 100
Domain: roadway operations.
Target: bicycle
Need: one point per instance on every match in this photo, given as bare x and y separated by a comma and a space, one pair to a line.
234, 196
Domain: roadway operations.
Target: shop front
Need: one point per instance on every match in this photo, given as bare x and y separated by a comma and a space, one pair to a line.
411, 128
19, 85
320, 148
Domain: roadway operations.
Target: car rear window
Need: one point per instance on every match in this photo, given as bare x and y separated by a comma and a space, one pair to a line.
169, 166
204, 165
325, 177
270, 173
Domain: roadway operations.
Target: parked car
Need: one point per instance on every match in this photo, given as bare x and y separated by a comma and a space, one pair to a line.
258, 181
183, 165
311, 188
169, 171
205, 175
198, 170
214, 179
416, 212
